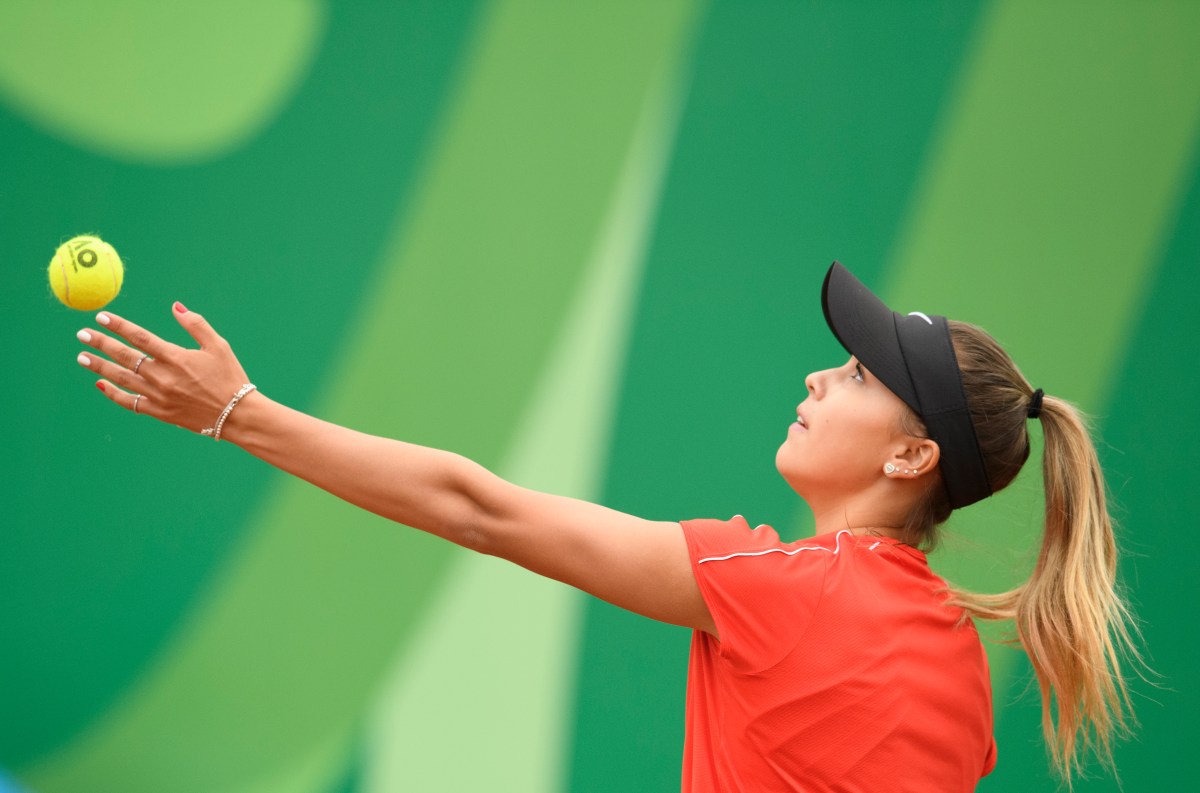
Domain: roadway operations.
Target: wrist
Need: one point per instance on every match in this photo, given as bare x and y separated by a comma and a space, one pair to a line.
241, 423
218, 427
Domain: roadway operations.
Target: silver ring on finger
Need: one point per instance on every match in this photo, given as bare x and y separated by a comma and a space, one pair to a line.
141, 361
136, 399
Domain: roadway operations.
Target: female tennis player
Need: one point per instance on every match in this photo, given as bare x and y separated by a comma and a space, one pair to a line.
836, 663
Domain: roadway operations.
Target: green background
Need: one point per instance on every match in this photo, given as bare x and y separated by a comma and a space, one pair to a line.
581, 243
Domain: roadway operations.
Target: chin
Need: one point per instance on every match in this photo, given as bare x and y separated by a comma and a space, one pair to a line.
794, 479
781, 461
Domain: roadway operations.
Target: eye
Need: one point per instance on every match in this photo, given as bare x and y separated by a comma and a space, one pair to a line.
858, 372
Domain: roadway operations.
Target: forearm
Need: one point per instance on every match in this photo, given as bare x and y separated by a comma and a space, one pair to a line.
428, 489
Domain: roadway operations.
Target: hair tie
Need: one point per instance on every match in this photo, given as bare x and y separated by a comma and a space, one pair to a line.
1035, 404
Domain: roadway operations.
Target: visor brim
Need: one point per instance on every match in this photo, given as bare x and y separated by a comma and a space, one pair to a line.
866, 328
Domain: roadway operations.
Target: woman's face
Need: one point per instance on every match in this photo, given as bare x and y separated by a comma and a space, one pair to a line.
847, 429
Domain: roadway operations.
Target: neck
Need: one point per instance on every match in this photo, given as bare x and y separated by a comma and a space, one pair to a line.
858, 518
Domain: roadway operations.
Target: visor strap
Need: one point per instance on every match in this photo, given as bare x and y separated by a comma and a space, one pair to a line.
928, 355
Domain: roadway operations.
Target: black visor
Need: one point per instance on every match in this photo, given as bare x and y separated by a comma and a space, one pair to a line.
912, 356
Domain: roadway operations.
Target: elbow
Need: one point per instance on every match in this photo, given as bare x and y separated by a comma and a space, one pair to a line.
476, 517
476, 531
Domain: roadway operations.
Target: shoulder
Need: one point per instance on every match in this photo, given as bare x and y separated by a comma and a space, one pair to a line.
714, 541
709, 538
754, 559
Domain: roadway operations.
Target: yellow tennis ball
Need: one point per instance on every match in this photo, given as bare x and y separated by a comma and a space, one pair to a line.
86, 273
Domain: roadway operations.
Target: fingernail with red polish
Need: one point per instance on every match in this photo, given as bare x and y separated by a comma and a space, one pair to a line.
100, 384
180, 307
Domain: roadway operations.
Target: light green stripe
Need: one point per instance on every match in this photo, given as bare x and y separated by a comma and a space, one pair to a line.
315, 771
1041, 216
494, 664
141, 81
292, 640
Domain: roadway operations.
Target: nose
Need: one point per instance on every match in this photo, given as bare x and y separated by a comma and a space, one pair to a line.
814, 384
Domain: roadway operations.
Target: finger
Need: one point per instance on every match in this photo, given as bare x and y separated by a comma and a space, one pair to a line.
135, 361
133, 402
137, 336
113, 372
197, 327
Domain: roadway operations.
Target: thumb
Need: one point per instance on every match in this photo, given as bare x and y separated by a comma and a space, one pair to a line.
196, 326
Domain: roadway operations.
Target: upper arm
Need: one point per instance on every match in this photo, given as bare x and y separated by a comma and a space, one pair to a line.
640, 565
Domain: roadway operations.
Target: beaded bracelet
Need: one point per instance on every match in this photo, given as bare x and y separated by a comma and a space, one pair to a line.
215, 430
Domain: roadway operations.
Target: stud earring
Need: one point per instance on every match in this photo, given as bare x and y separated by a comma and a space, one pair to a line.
908, 471
889, 469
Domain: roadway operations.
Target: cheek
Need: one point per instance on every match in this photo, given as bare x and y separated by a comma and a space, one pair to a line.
847, 448
808, 461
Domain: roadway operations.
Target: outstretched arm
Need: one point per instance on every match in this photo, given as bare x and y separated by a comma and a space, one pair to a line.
636, 564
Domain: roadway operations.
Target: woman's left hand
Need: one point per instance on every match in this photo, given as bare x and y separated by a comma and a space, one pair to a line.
149, 376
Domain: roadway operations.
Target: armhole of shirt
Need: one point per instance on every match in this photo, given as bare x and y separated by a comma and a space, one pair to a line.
718, 618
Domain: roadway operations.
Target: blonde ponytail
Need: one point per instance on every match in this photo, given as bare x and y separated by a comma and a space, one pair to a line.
1070, 616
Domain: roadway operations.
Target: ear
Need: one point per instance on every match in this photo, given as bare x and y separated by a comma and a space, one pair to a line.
918, 458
